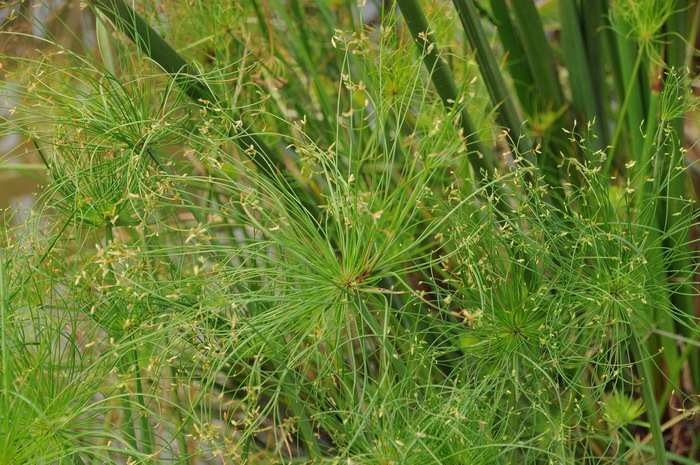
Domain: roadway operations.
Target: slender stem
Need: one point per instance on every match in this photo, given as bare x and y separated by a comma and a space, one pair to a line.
137, 29
146, 432
128, 424
129, 366
645, 375
495, 84
515, 56
539, 53
183, 193
594, 33
581, 80
653, 217
693, 33
381, 334
542, 97
480, 155
6, 369
622, 113
180, 422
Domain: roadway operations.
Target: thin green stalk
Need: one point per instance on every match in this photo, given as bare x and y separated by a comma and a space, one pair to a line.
146, 431
381, 334
645, 170
54, 241
631, 116
692, 35
129, 364
580, 78
501, 98
126, 20
652, 145
299, 41
516, 59
488, 65
594, 32
128, 424
180, 422
480, 156
677, 29
102, 36
647, 384
652, 141
631, 111
183, 192
545, 95
539, 53
6, 369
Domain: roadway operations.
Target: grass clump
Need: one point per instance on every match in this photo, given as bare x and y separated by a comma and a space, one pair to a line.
272, 233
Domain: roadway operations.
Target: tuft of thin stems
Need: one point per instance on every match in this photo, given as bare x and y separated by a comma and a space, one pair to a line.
279, 239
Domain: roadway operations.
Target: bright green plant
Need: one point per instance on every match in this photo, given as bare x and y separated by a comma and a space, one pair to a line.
272, 233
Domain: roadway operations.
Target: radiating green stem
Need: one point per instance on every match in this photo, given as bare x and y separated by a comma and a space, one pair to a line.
150, 42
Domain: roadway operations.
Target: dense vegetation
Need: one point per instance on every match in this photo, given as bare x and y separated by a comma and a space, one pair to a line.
328, 232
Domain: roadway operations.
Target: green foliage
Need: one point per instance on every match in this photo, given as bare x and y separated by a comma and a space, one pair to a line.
275, 234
